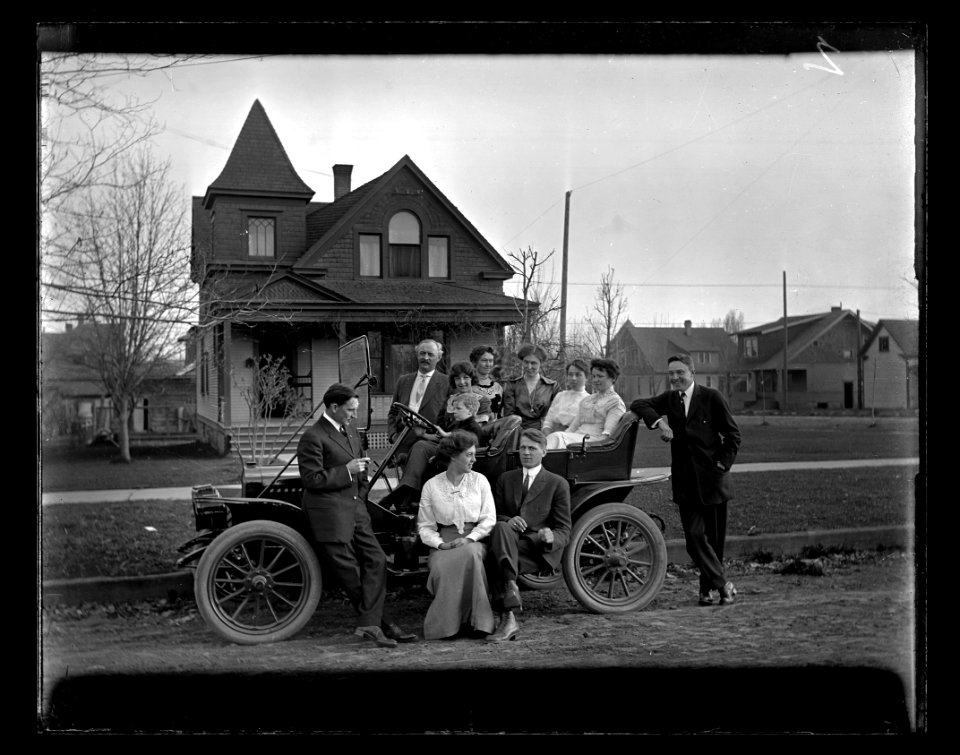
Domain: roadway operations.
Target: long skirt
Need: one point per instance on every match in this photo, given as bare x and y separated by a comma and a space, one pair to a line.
458, 583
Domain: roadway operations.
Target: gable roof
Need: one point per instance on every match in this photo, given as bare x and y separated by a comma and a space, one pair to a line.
258, 164
657, 344
288, 285
906, 334
329, 221
802, 330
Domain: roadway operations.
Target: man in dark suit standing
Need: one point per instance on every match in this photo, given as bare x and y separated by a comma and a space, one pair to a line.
533, 527
704, 439
334, 476
425, 391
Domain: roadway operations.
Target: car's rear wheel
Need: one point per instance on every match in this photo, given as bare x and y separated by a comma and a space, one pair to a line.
543, 581
258, 582
616, 560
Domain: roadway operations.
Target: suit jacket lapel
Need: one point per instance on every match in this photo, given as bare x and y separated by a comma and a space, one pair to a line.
695, 397
535, 488
337, 436
516, 490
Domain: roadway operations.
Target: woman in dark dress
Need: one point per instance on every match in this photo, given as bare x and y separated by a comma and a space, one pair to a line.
484, 359
530, 394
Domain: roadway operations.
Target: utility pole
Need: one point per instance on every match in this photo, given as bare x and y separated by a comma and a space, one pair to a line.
783, 390
859, 364
563, 278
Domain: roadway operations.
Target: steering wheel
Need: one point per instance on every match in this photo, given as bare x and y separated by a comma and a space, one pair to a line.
414, 419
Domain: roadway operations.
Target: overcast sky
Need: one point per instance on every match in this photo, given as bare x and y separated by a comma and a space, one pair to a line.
699, 178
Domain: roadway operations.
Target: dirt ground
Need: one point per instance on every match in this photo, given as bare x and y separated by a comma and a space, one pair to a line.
798, 652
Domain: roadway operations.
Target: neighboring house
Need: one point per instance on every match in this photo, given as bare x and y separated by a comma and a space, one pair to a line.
643, 353
890, 365
285, 276
822, 362
75, 403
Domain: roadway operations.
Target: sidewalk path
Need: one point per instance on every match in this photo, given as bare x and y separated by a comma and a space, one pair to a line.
183, 494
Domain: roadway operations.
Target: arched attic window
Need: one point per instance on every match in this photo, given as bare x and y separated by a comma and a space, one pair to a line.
404, 245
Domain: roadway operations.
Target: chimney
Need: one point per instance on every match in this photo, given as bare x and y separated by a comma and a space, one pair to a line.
341, 180
686, 327
69, 327
836, 309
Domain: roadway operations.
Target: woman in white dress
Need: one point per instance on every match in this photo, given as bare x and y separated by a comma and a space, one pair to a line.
456, 512
565, 404
599, 412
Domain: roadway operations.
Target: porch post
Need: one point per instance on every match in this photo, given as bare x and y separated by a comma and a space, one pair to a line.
226, 390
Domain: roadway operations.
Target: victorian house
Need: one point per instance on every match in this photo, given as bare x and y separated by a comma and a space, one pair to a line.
282, 276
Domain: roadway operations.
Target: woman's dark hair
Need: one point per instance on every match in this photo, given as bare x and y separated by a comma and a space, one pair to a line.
479, 351
462, 368
580, 364
529, 348
455, 444
607, 365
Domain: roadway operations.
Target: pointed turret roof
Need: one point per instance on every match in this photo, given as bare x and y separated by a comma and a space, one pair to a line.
258, 164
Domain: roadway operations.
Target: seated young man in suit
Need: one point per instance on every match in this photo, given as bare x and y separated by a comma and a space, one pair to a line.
533, 527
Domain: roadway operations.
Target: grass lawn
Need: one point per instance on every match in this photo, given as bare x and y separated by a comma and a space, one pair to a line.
134, 538
97, 468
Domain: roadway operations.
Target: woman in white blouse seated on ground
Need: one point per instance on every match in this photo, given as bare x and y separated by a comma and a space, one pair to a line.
457, 511
566, 404
599, 412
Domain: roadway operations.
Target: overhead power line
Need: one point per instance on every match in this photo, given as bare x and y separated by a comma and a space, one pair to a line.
736, 285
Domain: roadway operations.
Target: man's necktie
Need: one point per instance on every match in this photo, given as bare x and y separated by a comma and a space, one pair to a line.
526, 487
420, 388
683, 402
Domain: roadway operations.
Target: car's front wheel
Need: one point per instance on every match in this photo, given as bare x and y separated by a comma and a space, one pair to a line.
258, 582
616, 560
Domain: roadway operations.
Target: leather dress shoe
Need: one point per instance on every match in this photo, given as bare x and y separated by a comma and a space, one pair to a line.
376, 635
507, 630
394, 632
726, 594
705, 599
511, 596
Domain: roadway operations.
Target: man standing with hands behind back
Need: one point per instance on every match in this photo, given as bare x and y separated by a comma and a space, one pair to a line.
334, 476
704, 439
425, 391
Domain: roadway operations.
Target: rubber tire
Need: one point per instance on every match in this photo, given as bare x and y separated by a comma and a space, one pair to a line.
578, 553
297, 552
537, 582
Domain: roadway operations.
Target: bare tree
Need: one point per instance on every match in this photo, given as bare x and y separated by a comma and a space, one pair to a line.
86, 124
538, 306
128, 272
609, 313
732, 322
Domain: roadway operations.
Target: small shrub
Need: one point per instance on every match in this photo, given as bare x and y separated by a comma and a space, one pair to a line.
819, 551
761, 556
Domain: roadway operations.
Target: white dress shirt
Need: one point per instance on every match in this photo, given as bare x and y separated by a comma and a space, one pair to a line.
420, 388
443, 503
530, 473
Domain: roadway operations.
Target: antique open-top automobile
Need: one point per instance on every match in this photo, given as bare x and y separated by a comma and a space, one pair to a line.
258, 578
